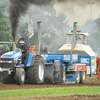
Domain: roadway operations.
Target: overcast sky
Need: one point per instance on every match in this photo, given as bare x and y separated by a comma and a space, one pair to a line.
75, 10
78, 10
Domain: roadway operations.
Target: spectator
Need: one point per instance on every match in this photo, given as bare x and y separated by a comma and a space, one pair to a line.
98, 61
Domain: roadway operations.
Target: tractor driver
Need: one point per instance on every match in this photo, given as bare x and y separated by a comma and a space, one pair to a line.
23, 49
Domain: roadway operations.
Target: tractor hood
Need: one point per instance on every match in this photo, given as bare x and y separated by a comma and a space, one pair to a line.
80, 49
12, 54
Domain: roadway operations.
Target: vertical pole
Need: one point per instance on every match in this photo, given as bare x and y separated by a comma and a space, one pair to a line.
28, 25
85, 39
13, 46
74, 40
39, 34
70, 39
91, 10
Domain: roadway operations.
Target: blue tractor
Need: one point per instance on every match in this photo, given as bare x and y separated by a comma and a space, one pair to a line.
40, 67
16, 69
37, 67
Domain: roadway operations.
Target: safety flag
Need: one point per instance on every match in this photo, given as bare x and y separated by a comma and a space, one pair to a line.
74, 40
30, 27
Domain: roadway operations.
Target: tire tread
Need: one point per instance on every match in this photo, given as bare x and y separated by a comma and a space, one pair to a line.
32, 72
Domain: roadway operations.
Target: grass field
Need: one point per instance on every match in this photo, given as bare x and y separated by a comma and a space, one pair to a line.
61, 91
92, 76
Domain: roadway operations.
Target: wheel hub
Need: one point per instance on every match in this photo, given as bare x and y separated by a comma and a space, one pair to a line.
22, 77
41, 71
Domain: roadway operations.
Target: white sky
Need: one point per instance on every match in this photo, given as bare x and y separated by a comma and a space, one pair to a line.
77, 13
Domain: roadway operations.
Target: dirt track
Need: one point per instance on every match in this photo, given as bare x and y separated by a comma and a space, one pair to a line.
68, 97
89, 82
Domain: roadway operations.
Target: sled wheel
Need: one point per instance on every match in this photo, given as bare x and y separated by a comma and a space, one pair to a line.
82, 77
77, 77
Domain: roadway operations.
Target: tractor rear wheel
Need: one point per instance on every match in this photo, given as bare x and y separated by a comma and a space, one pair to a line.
35, 73
82, 77
77, 77
20, 76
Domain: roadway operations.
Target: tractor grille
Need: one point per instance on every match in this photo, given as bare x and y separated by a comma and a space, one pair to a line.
7, 63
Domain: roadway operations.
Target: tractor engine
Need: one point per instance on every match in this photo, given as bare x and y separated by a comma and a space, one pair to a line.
9, 62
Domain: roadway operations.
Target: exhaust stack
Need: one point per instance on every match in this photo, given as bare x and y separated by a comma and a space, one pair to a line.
39, 33
13, 46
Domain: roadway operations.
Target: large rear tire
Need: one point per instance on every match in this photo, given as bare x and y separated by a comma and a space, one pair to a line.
20, 76
77, 77
35, 73
82, 77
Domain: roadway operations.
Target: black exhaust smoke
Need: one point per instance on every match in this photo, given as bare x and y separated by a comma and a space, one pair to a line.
18, 8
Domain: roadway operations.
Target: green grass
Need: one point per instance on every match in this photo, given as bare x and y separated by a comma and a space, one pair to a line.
92, 76
8, 94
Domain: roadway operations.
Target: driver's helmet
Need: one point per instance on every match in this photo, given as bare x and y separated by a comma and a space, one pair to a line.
22, 42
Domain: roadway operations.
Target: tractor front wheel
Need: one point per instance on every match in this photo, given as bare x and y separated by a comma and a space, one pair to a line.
20, 76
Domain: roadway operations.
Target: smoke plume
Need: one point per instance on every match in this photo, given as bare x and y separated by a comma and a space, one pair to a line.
18, 8
80, 3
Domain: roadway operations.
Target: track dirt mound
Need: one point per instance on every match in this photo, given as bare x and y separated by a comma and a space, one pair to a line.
92, 81
67, 97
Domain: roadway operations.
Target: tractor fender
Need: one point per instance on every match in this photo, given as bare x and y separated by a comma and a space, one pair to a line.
30, 60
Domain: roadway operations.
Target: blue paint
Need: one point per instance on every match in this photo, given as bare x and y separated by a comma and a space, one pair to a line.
49, 57
29, 60
70, 78
11, 55
64, 69
77, 75
19, 62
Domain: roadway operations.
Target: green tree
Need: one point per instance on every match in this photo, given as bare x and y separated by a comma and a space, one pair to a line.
4, 23
4, 30
3, 5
